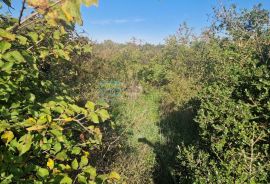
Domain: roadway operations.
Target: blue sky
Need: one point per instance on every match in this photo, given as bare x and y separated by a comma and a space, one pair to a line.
149, 20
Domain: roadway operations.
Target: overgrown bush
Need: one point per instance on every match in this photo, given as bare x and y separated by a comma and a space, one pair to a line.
45, 136
234, 107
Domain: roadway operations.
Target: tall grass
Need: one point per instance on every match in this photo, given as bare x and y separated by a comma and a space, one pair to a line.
138, 119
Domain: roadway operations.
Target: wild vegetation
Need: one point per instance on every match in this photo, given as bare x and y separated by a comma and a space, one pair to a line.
45, 136
195, 109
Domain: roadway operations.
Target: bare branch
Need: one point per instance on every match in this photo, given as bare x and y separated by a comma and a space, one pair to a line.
21, 12
79, 122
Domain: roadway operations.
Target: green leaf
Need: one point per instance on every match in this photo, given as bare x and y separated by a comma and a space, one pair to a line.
93, 117
87, 49
6, 179
44, 54
3, 126
91, 171
82, 179
102, 177
84, 161
103, 103
7, 67
66, 180
104, 115
4, 46
14, 56
33, 36
61, 53
15, 105
114, 175
76, 151
62, 166
56, 133
31, 97
42, 172
46, 146
61, 156
7, 35
75, 164
29, 122
90, 105
57, 147
75, 108
56, 35
24, 143
42, 120
22, 39
59, 109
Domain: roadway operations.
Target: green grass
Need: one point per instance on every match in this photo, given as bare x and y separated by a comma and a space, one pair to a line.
139, 121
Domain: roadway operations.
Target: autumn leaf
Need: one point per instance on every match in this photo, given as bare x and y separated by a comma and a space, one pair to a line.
36, 127
114, 175
50, 164
7, 136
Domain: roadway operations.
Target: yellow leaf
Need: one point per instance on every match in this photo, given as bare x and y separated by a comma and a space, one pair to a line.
68, 119
40, 4
62, 30
114, 175
7, 136
97, 131
7, 35
86, 153
68, 167
29, 122
90, 2
91, 128
51, 18
31, 119
66, 8
90, 105
98, 134
33, 3
50, 164
54, 125
36, 127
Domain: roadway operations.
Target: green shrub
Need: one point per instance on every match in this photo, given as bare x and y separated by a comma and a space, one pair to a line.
45, 136
234, 109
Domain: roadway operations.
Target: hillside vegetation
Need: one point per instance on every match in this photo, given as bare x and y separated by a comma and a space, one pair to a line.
195, 109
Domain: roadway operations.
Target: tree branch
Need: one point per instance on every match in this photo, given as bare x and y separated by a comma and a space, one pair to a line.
21, 12
78, 121
33, 15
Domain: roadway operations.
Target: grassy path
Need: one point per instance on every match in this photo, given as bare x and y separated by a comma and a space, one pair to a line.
149, 140
140, 117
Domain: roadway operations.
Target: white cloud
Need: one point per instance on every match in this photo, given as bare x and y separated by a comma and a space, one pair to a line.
116, 21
